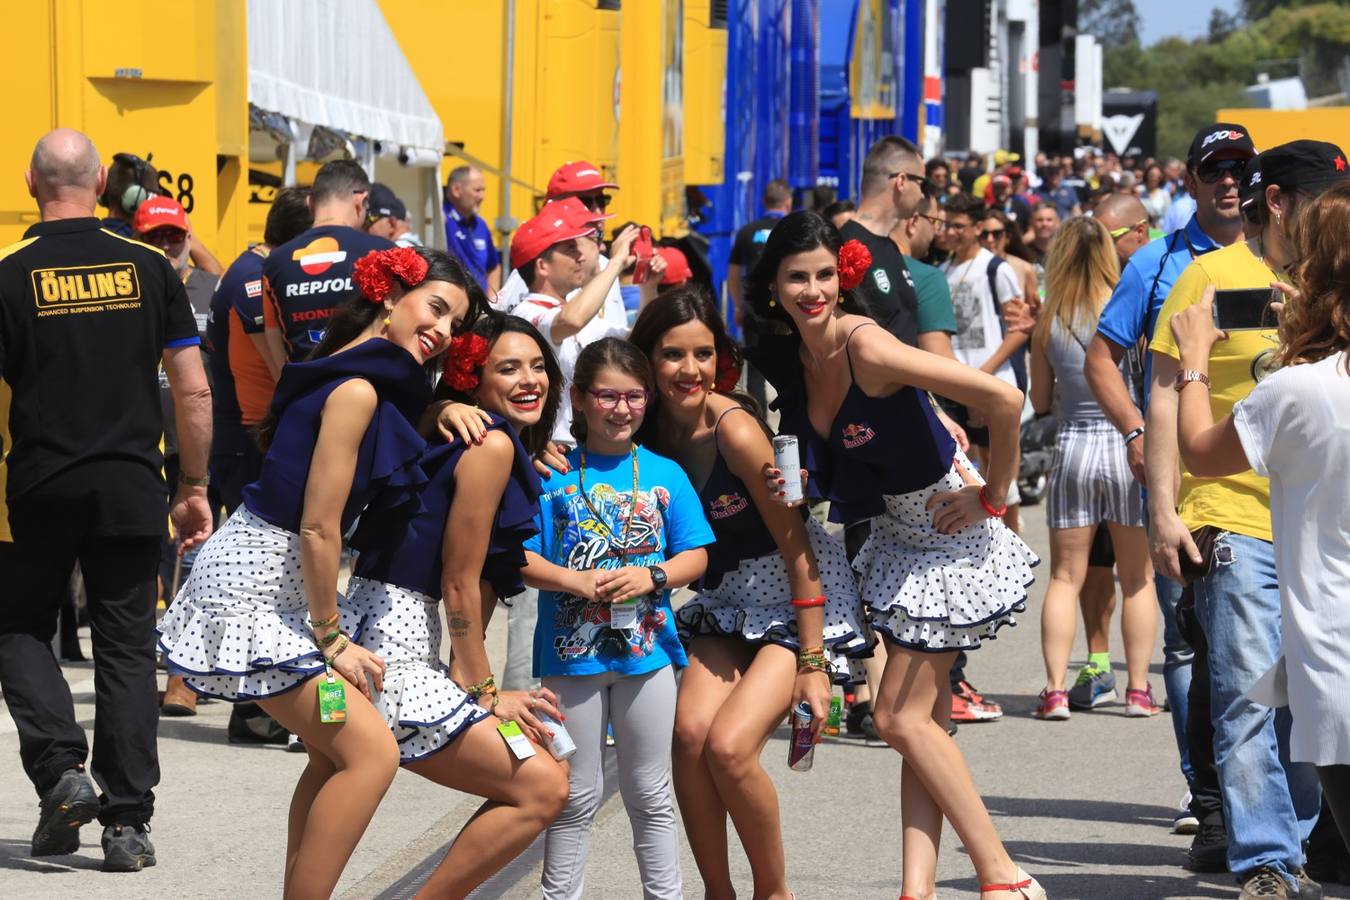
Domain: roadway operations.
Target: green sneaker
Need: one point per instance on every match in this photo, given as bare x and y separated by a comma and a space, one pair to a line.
1093, 688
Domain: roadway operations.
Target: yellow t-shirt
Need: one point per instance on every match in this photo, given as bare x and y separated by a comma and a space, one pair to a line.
1237, 503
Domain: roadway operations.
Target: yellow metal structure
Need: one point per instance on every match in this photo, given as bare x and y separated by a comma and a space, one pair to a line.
651, 107
166, 79
1272, 127
705, 70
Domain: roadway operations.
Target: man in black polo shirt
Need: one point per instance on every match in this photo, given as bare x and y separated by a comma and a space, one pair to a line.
305, 279
893, 182
745, 253
86, 318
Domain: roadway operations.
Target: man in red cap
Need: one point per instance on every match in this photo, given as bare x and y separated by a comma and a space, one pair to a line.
162, 223
677, 267
581, 181
562, 302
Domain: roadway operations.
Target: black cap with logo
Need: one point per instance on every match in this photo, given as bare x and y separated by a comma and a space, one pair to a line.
1304, 164
385, 203
1219, 138
1249, 188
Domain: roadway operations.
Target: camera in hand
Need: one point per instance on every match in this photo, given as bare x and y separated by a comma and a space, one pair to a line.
1245, 310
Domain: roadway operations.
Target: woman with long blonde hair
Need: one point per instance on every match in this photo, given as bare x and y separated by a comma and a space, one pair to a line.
1090, 480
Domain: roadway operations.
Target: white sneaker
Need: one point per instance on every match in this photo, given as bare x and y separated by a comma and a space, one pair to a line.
295, 745
1185, 822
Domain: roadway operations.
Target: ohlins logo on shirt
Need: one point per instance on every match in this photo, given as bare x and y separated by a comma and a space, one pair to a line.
79, 289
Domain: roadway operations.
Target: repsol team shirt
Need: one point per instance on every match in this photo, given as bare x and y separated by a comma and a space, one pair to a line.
306, 279
85, 318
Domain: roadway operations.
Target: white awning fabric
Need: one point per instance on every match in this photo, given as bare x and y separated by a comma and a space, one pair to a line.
337, 64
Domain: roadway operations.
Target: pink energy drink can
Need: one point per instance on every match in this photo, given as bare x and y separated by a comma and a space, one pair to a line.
787, 460
802, 751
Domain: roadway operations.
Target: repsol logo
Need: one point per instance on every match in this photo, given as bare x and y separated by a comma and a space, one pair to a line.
318, 287
85, 285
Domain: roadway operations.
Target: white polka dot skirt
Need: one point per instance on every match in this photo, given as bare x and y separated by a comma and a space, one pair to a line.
424, 708
239, 627
753, 602
931, 591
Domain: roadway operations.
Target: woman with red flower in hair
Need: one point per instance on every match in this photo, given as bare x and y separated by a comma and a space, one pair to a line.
777, 612
260, 617
940, 573
464, 548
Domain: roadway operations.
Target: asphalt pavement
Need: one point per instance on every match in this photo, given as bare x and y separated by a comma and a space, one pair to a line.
1084, 805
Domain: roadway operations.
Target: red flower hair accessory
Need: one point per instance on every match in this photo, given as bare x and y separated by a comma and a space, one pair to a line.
854, 261
466, 357
375, 272
728, 373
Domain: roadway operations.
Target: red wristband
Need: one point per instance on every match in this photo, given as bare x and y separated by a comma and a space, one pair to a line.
809, 602
996, 512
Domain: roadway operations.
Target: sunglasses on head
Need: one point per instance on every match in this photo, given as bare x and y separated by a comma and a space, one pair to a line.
1212, 171
1118, 233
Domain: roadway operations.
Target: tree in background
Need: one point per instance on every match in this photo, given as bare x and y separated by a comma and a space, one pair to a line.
1194, 79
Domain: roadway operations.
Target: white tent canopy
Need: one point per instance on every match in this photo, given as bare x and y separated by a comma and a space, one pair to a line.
336, 64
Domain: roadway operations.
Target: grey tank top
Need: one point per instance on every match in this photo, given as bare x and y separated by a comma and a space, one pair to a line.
1067, 351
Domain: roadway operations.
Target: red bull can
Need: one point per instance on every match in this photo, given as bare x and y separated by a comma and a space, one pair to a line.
787, 461
802, 750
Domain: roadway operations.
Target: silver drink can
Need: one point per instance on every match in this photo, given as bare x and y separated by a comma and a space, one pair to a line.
802, 749
787, 461
562, 747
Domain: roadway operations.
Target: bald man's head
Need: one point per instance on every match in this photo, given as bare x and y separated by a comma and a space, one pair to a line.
66, 168
1123, 211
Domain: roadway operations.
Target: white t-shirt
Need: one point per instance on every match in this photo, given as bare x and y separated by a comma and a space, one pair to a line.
979, 329
540, 311
513, 294
1295, 428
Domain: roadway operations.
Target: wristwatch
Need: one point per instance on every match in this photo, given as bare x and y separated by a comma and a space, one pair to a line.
658, 578
1186, 376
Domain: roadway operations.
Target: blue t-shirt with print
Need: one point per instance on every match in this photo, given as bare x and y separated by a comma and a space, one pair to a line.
572, 636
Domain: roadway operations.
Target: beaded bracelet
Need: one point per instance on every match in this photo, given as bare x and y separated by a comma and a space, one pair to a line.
342, 645
808, 602
813, 660
487, 686
323, 623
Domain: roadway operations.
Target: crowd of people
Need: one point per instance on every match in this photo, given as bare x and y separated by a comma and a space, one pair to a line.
577, 438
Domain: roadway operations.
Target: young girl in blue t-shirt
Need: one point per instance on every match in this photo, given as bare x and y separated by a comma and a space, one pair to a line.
616, 533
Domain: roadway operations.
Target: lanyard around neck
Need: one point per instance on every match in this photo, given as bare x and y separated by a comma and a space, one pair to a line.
623, 550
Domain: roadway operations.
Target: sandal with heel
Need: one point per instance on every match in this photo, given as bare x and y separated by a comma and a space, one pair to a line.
1025, 887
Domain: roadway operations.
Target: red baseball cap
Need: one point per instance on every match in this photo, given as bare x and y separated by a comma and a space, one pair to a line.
561, 220
159, 212
576, 177
677, 266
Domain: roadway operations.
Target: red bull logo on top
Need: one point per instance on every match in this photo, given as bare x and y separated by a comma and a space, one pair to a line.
857, 435
727, 505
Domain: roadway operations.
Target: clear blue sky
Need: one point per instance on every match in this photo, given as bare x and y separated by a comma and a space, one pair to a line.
1187, 18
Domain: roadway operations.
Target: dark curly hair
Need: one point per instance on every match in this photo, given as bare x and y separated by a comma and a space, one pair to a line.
491, 327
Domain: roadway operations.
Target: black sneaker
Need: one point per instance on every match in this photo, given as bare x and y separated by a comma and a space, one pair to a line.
69, 804
127, 848
259, 728
1209, 849
1307, 888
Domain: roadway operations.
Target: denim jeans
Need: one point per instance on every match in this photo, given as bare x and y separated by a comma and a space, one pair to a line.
1270, 803
1177, 655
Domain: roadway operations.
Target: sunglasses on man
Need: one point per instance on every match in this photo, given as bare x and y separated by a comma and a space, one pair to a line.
1118, 233
1212, 171
924, 184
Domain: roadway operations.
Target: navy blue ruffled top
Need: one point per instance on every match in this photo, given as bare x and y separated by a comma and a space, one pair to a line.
740, 531
405, 550
876, 446
387, 474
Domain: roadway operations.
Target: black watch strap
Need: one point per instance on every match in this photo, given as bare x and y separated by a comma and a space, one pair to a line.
658, 577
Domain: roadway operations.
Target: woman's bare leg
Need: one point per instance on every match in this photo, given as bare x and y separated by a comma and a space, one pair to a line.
364, 757
1059, 616
903, 713
523, 796
1139, 619
736, 741
715, 667
920, 819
